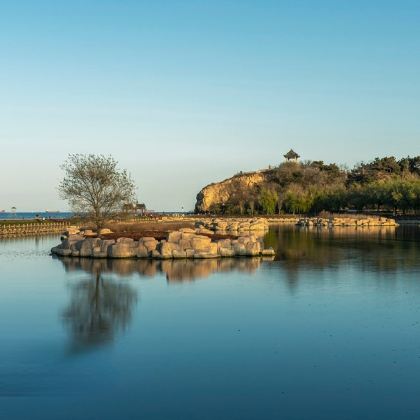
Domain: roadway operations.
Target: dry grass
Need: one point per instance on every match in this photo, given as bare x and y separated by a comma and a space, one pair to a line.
157, 230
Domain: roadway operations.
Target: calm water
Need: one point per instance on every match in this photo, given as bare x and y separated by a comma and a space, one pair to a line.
330, 330
32, 215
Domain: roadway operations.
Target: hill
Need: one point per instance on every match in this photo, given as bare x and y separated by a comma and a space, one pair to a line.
313, 186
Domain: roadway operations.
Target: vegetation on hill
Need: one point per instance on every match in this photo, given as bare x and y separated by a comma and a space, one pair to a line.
313, 186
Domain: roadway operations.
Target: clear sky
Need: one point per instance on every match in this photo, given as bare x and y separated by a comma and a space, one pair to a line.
184, 93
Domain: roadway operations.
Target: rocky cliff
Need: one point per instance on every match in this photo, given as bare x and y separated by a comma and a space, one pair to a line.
221, 192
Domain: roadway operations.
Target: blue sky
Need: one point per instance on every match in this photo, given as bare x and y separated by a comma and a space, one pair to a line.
184, 93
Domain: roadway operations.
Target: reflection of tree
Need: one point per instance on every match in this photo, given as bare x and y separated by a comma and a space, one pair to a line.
98, 309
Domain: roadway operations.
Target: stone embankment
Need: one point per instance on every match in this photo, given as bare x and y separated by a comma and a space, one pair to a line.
184, 243
38, 228
231, 225
346, 222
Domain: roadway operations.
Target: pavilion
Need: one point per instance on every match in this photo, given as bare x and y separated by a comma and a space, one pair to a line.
291, 156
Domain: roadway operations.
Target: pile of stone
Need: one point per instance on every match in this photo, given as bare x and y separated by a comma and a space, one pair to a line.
71, 230
346, 222
185, 243
85, 232
243, 225
292, 220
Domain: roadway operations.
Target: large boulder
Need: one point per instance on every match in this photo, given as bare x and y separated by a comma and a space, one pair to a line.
210, 251
224, 243
101, 249
142, 251
174, 236
176, 253
165, 248
226, 252
122, 250
187, 230
253, 249
125, 241
200, 243
104, 231
240, 249
86, 246
62, 252
149, 243
268, 252
184, 244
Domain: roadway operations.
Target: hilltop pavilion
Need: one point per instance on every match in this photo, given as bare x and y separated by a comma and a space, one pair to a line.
291, 156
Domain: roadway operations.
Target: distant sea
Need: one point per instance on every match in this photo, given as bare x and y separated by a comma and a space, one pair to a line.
34, 215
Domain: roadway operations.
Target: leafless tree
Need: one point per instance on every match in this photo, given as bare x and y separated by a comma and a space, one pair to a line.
95, 186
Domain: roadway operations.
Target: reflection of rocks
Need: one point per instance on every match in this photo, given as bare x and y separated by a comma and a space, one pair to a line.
300, 248
175, 270
98, 309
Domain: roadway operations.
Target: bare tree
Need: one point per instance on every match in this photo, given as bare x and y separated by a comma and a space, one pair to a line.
94, 185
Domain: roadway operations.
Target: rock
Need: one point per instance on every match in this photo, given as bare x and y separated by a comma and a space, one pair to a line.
268, 252
187, 235
142, 251
220, 192
147, 239
105, 244
156, 254
174, 237
203, 254
224, 243
200, 243
187, 230
98, 253
86, 246
240, 249
226, 252
179, 254
105, 231
88, 233
178, 245
75, 238
253, 248
125, 241
122, 250
190, 253
184, 244
57, 250
71, 230
150, 244
165, 248
203, 230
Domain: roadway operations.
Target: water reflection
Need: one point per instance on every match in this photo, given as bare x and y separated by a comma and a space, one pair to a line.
101, 306
98, 309
175, 270
375, 249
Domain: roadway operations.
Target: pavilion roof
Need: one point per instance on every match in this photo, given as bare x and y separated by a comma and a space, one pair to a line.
291, 154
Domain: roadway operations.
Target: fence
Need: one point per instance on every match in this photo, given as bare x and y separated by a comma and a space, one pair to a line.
15, 229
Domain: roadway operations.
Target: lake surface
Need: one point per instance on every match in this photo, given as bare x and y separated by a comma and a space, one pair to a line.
329, 330
34, 215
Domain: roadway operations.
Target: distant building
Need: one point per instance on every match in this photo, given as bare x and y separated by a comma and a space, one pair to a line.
291, 156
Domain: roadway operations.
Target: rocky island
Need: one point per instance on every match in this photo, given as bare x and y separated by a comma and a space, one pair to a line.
200, 242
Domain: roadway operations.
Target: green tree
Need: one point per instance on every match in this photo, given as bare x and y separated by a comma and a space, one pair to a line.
268, 200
